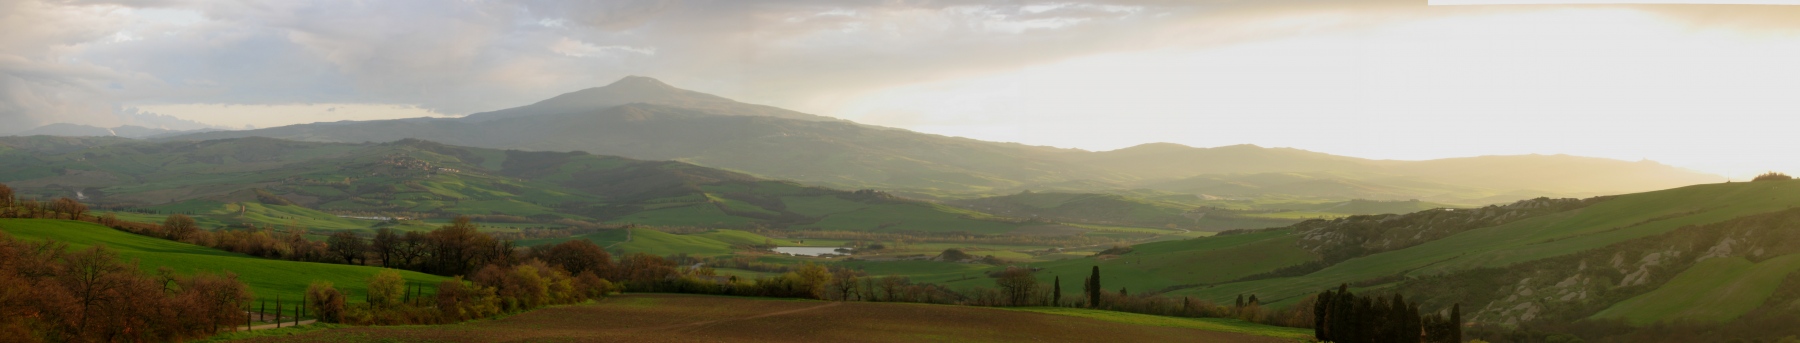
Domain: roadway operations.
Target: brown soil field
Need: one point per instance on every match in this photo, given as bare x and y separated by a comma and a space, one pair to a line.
692, 318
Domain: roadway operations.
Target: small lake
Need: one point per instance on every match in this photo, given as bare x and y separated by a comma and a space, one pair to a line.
809, 251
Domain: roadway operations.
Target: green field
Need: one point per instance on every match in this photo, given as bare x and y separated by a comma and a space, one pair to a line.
1208, 324
1159, 265
1715, 290
1621, 218
266, 278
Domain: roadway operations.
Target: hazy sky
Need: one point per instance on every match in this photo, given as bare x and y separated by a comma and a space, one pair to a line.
1710, 87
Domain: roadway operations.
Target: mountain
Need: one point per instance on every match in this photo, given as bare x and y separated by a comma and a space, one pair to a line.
78, 130
641, 90
264, 181
642, 118
829, 153
1171, 161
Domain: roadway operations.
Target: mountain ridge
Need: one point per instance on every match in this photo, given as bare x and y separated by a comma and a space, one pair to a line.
643, 118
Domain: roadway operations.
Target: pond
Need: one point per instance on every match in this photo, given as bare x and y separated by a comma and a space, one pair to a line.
810, 251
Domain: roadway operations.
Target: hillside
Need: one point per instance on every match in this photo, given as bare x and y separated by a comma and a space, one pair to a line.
1114, 209
642, 118
1702, 239
267, 278
267, 182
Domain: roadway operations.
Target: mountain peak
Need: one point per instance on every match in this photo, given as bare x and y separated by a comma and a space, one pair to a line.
641, 89
640, 82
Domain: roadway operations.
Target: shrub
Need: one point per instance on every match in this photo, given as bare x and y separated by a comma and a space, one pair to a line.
386, 288
1772, 176
325, 301
954, 255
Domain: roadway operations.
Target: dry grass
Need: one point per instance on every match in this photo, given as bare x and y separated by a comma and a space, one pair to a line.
688, 318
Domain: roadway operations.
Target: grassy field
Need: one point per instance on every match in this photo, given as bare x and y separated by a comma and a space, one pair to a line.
1621, 218
267, 278
1715, 290
1208, 324
1155, 266
689, 318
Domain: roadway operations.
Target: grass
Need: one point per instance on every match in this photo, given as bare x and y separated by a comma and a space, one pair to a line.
920, 217
1159, 265
266, 278
663, 244
1715, 290
1622, 218
1208, 324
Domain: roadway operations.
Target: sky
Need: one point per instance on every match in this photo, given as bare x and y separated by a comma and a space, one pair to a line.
1707, 87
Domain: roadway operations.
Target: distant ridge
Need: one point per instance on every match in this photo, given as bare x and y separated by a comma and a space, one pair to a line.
645, 118
640, 89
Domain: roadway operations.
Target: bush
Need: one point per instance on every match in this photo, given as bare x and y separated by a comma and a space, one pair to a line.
1772, 176
386, 288
325, 301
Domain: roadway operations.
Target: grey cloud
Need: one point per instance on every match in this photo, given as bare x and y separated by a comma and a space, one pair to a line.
468, 56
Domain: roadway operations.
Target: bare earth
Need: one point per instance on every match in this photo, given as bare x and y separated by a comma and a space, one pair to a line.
691, 318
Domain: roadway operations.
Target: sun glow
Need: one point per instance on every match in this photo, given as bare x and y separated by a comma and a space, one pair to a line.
1609, 82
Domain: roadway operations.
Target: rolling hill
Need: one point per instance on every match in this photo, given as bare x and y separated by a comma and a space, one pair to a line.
267, 278
317, 185
1712, 253
642, 118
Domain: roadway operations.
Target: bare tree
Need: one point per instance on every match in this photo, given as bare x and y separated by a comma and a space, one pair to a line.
73, 208
347, 246
1018, 285
180, 227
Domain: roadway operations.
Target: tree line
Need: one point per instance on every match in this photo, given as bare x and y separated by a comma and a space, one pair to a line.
50, 293
1343, 317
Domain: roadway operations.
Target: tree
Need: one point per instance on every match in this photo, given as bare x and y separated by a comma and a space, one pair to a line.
6, 196
459, 248
954, 255
1092, 287
1456, 323
179, 226
386, 288
71, 207
385, 246
1056, 292
1017, 284
348, 246
325, 302
844, 281
577, 256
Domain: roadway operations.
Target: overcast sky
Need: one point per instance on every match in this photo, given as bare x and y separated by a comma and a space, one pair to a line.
1714, 88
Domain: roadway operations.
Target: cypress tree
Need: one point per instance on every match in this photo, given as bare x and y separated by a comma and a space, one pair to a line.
1321, 308
1253, 301
1456, 323
1094, 288
1056, 293
1240, 302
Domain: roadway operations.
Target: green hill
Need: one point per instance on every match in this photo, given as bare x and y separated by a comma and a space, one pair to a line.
1707, 252
261, 181
266, 278
638, 240
1615, 220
